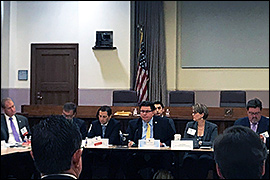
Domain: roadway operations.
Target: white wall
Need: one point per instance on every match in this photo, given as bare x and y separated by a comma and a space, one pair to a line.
208, 79
100, 71
71, 22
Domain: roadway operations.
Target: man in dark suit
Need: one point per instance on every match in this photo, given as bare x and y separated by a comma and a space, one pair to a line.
14, 127
258, 123
254, 119
160, 112
69, 112
140, 165
160, 128
105, 126
56, 148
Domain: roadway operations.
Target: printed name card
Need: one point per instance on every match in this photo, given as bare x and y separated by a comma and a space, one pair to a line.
97, 142
182, 145
149, 143
3, 144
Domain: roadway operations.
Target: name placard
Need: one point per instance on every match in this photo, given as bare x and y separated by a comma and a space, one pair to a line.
149, 143
3, 144
182, 145
97, 142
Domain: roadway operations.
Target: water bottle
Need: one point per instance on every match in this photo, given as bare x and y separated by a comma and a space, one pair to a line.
135, 112
167, 112
85, 145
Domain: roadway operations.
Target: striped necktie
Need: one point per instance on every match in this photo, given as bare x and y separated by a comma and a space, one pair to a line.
148, 131
14, 131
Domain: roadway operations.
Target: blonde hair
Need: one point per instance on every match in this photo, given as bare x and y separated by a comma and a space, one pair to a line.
201, 108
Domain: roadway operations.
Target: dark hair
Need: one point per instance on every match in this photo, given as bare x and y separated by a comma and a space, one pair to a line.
240, 153
254, 103
148, 103
103, 109
201, 108
159, 102
70, 106
54, 141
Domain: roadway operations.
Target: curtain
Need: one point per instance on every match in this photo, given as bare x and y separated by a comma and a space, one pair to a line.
150, 16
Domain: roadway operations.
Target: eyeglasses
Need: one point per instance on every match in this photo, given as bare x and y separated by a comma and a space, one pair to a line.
159, 107
68, 116
194, 113
254, 113
145, 111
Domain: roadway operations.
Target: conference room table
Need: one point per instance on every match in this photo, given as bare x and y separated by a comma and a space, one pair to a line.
172, 158
95, 160
16, 163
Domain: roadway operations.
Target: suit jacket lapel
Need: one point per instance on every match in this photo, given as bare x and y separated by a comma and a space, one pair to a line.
4, 124
261, 126
109, 127
138, 130
99, 128
20, 124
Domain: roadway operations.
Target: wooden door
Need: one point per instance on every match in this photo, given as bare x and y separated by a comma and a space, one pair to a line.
54, 74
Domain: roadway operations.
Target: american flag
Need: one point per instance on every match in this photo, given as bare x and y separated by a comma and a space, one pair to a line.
142, 73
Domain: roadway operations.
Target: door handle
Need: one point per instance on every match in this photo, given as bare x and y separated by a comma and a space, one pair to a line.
39, 97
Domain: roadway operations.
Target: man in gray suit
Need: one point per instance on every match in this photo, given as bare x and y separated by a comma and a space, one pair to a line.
14, 127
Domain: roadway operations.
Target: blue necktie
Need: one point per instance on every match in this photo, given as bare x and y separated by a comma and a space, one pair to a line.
103, 130
16, 136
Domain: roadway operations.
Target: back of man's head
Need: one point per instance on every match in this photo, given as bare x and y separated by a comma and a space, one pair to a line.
54, 141
240, 153
70, 106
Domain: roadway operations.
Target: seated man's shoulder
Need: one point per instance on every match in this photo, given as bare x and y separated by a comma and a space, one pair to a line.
241, 120
134, 120
21, 117
114, 121
162, 120
265, 119
95, 122
79, 120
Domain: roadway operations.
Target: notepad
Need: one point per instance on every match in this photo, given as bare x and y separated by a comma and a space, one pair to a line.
122, 113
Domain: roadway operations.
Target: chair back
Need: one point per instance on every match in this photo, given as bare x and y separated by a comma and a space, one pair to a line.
181, 98
125, 98
232, 98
